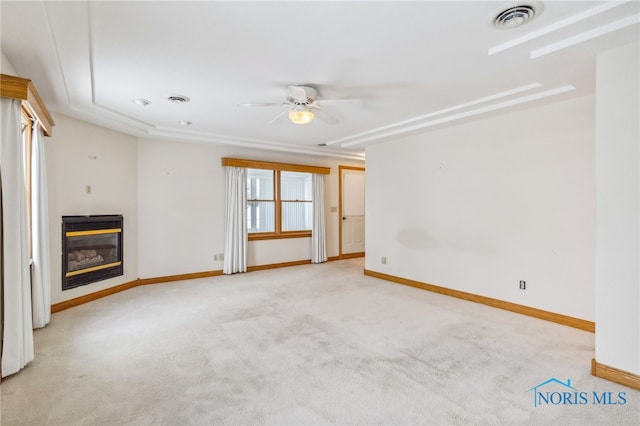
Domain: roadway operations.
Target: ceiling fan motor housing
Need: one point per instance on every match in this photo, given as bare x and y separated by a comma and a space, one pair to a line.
302, 95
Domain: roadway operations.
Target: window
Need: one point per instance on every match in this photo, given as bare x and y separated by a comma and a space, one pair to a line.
261, 204
296, 201
279, 198
279, 202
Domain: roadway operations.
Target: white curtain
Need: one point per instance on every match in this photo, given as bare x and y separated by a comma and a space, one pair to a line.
318, 244
17, 343
235, 249
41, 284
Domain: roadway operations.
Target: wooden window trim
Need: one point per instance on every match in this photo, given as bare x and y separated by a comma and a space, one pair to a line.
258, 236
24, 90
254, 164
276, 168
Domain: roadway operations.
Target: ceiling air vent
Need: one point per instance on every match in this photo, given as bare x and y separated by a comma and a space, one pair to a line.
178, 99
515, 16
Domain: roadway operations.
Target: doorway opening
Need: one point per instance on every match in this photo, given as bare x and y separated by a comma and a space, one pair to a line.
351, 183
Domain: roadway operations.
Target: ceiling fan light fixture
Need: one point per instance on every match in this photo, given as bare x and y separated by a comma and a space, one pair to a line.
302, 116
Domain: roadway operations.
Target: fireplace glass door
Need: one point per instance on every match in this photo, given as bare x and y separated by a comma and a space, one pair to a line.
92, 249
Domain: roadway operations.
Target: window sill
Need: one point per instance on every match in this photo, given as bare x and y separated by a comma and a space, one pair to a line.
273, 236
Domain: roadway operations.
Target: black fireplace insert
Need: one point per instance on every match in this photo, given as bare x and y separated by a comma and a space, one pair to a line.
91, 249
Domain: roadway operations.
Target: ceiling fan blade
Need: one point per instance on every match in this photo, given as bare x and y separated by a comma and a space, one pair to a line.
297, 93
339, 102
326, 117
279, 116
266, 104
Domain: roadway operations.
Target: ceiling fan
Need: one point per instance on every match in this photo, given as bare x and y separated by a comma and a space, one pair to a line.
302, 106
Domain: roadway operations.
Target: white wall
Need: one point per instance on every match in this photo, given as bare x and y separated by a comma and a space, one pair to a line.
618, 208
5, 66
80, 154
479, 206
181, 208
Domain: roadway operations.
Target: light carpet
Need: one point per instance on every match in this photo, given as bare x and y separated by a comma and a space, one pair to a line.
305, 345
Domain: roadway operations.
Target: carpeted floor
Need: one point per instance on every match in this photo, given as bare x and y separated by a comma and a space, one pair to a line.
305, 345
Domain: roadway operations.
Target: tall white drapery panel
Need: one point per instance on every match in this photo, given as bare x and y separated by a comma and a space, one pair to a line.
318, 238
17, 343
235, 249
41, 284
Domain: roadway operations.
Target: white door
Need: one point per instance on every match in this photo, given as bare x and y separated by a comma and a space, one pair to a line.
352, 211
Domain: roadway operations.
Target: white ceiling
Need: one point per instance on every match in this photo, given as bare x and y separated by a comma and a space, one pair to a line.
415, 65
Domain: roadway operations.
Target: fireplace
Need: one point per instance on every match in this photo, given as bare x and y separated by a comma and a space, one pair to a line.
91, 249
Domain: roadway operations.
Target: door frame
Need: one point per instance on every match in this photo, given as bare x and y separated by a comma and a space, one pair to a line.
340, 254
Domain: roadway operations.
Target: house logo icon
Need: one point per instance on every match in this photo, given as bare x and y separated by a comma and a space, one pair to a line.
557, 392
568, 393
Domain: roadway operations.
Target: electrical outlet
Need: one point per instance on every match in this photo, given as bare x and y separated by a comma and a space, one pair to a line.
384, 260
215, 257
88, 189
523, 285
